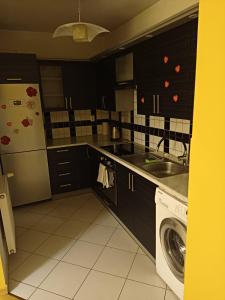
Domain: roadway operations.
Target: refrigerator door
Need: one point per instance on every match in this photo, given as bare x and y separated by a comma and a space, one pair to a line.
30, 182
21, 121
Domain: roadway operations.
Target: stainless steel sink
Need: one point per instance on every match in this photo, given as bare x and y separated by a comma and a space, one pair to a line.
140, 159
164, 168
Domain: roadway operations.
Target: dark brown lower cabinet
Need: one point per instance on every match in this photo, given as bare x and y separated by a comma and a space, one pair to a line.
69, 168
136, 206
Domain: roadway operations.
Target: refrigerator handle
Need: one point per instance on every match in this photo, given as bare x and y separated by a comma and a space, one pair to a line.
66, 102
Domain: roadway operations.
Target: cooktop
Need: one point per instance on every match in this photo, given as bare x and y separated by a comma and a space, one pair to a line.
122, 149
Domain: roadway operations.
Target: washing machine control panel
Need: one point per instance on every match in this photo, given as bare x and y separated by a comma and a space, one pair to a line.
179, 209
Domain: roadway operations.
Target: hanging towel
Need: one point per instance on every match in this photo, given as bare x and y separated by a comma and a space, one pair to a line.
111, 177
103, 177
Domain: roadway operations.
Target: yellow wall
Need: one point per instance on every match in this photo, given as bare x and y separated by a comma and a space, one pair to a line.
205, 264
3, 287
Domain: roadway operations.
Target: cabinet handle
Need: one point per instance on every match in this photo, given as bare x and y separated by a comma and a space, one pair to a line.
64, 150
154, 104
65, 185
70, 102
64, 174
13, 79
87, 152
132, 185
66, 103
103, 102
129, 181
158, 104
64, 163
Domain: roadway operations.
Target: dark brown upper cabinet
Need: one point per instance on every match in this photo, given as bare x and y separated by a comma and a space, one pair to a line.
106, 78
79, 85
165, 72
18, 68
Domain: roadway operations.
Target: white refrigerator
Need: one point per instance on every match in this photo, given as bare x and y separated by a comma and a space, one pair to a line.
22, 143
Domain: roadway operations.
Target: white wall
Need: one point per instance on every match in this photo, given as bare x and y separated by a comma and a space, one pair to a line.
64, 48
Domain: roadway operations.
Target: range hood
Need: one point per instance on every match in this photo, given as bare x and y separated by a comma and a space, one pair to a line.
124, 70
124, 99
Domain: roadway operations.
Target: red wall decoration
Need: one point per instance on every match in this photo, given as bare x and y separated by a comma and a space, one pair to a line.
5, 140
31, 92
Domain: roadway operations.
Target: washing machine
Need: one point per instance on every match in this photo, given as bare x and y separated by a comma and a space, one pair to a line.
171, 226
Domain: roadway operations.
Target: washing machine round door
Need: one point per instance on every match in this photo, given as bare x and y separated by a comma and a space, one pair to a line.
173, 243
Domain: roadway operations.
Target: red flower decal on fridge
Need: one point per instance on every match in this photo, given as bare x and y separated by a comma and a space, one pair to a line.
27, 122
3, 106
5, 140
31, 92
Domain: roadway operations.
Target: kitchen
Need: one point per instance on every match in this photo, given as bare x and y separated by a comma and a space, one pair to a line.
108, 197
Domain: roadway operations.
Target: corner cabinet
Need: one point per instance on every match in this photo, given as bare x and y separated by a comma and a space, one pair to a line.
79, 84
136, 206
165, 72
69, 168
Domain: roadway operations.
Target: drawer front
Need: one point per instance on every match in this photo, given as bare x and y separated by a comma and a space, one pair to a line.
61, 155
58, 188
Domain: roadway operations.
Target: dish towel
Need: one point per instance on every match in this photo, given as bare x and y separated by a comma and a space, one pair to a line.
103, 177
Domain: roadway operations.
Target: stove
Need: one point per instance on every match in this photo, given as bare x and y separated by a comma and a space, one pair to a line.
122, 149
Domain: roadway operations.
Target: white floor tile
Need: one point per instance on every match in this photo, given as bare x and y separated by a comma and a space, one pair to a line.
72, 229
100, 286
15, 260
144, 270
83, 254
170, 295
62, 211
65, 280
115, 262
106, 219
122, 240
97, 234
86, 214
43, 295
20, 289
26, 219
140, 251
48, 224
55, 247
43, 207
19, 231
34, 270
31, 240
140, 291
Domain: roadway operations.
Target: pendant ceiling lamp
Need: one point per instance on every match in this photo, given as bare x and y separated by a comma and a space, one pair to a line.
80, 31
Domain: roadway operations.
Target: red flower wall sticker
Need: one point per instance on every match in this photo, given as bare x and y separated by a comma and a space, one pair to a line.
31, 92
3, 106
5, 140
27, 122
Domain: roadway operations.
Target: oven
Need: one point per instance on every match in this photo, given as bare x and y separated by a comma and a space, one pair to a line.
108, 194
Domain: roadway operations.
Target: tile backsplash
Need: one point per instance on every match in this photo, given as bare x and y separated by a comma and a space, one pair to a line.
141, 129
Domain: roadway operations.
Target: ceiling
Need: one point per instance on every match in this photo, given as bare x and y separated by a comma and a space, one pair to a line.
46, 15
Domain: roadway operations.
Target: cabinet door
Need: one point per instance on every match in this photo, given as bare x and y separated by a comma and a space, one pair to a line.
178, 74
81, 163
144, 216
145, 71
18, 68
106, 84
125, 197
94, 157
79, 85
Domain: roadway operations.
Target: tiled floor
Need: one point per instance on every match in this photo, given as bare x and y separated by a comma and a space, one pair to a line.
73, 248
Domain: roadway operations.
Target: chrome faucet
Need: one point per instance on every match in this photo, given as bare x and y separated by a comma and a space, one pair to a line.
159, 143
184, 156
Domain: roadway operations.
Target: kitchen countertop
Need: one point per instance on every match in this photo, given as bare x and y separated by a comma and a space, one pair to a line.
176, 186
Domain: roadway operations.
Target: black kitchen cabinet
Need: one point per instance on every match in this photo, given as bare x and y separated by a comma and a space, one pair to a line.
18, 68
136, 206
69, 168
165, 72
79, 85
106, 78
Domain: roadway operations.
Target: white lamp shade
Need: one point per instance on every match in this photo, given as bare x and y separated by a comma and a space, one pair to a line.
81, 32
